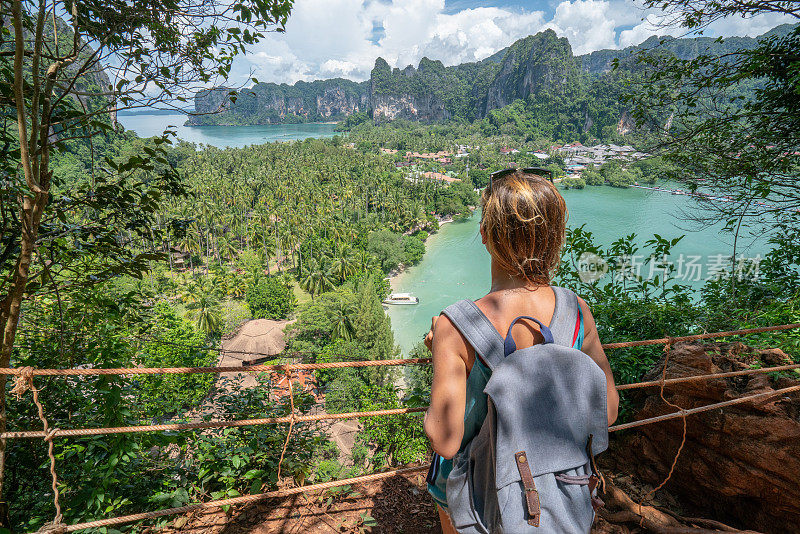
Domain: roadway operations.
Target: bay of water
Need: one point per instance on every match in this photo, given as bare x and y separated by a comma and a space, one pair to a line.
456, 264
148, 125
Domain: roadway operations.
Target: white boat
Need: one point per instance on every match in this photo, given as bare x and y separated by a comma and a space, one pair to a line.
401, 298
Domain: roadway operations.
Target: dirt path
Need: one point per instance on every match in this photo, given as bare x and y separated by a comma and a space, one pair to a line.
398, 505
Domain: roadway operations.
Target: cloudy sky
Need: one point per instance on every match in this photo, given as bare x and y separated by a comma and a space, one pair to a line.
330, 38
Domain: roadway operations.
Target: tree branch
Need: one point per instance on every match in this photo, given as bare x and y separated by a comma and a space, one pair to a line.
19, 96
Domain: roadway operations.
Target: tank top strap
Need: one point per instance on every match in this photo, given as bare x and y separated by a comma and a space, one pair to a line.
478, 330
567, 320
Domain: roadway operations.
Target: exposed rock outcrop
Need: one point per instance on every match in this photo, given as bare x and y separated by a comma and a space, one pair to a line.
626, 123
336, 102
412, 93
212, 100
740, 464
267, 103
425, 108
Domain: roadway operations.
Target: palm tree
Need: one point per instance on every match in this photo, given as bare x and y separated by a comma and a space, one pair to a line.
344, 264
204, 309
227, 248
191, 245
315, 277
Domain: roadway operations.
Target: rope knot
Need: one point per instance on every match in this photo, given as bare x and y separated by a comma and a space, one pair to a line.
56, 527
51, 433
668, 346
22, 382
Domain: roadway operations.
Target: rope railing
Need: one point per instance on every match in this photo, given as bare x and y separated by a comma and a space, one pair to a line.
691, 411
24, 381
78, 432
284, 367
696, 337
711, 376
339, 365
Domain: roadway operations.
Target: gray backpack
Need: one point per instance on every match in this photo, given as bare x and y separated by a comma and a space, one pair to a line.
531, 466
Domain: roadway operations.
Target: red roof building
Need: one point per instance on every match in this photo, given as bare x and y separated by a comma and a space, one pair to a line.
302, 380
439, 176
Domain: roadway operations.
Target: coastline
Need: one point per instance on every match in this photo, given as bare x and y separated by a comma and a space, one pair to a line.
396, 276
189, 124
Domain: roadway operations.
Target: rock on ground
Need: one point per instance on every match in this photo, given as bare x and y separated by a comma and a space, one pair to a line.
740, 464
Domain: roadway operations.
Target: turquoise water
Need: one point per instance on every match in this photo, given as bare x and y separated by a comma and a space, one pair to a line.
146, 125
456, 264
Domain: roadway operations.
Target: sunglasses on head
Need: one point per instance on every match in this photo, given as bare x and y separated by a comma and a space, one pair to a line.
539, 171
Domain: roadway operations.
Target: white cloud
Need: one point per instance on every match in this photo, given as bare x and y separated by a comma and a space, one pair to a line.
587, 24
750, 27
329, 38
319, 30
651, 25
474, 34
337, 68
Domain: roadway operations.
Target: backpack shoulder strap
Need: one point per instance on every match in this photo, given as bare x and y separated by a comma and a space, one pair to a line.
567, 319
479, 331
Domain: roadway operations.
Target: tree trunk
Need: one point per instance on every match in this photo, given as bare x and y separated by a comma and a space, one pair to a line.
30, 218
33, 205
266, 255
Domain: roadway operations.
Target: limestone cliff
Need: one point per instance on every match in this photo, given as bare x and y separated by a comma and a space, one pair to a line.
626, 123
540, 63
212, 100
269, 103
426, 108
430, 92
335, 101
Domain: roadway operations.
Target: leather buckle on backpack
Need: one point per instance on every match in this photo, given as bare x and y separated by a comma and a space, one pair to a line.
599, 479
531, 493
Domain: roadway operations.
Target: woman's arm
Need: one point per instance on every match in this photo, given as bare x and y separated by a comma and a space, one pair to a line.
444, 420
593, 347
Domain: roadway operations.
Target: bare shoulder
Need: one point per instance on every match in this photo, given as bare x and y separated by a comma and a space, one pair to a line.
588, 318
448, 337
490, 305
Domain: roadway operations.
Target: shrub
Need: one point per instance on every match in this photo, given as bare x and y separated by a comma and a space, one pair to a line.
387, 247
621, 179
414, 250
479, 177
421, 234
592, 177
573, 183
269, 298
251, 262
556, 169
176, 343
